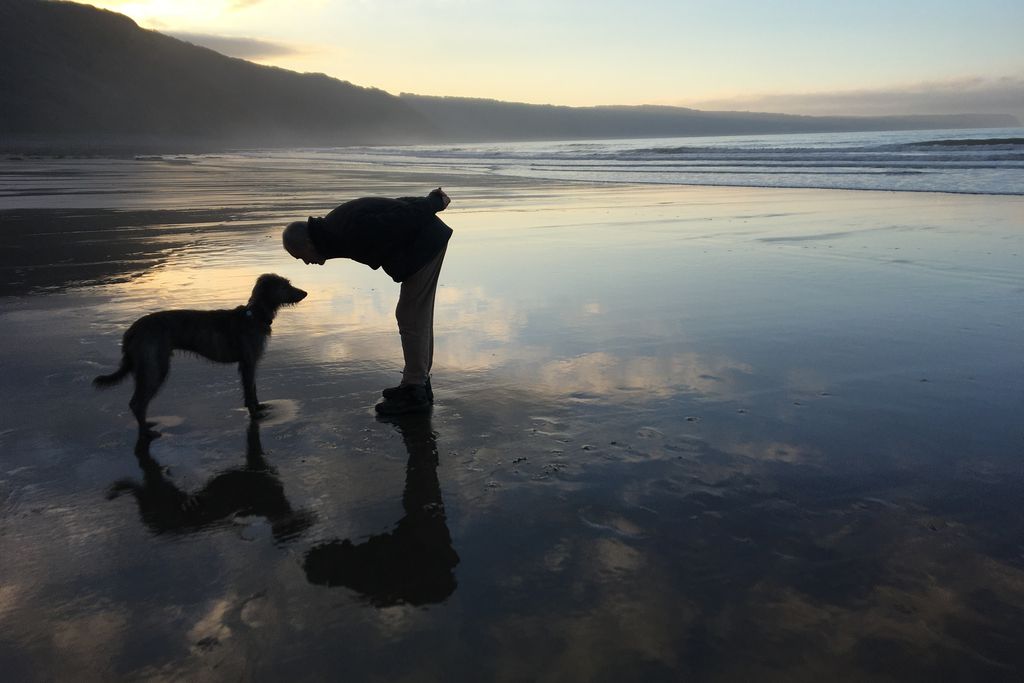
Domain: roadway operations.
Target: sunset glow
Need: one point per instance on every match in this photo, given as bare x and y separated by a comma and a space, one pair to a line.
802, 57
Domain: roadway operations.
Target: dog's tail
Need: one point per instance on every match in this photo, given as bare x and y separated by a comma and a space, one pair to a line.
114, 377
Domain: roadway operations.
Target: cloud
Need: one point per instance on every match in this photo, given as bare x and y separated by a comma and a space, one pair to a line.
245, 48
970, 95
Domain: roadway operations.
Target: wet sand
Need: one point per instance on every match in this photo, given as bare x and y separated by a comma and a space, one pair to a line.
680, 433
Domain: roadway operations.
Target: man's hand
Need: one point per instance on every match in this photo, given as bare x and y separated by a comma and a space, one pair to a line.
445, 199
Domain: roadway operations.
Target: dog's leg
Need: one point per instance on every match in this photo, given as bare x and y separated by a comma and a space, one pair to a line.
257, 410
150, 371
139, 401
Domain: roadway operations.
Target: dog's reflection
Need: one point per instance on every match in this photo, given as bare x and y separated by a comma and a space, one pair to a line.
254, 489
414, 562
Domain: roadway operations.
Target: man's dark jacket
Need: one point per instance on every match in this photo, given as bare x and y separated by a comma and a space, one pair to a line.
400, 235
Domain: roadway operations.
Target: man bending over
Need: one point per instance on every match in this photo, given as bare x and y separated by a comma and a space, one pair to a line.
405, 238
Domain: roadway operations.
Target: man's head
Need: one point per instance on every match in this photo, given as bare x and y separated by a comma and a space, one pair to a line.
298, 243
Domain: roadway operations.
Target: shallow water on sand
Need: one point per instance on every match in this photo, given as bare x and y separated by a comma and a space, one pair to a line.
704, 433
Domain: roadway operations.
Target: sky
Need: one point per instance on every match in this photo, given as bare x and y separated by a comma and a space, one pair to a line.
862, 57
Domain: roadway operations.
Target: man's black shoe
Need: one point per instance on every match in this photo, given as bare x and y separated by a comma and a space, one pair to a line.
392, 392
411, 399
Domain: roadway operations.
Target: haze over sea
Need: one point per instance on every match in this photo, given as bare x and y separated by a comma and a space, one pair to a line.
981, 161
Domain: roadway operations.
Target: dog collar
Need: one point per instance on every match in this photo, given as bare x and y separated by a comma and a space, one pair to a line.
252, 315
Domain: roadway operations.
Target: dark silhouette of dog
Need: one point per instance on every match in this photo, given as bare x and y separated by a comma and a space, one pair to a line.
236, 335
254, 489
414, 562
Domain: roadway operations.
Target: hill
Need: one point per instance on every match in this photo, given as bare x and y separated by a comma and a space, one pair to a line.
76, 78
75, 74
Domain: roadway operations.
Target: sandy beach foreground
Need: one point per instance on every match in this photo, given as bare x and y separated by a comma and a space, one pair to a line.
680, 434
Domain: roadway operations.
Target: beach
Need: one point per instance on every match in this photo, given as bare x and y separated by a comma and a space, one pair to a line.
680, 433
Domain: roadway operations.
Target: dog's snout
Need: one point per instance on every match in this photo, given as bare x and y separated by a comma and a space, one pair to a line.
300, 294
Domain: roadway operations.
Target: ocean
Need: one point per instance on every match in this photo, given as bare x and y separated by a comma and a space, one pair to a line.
679, 432
979, 161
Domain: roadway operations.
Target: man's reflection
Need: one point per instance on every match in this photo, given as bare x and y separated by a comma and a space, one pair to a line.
254, 489
411, 564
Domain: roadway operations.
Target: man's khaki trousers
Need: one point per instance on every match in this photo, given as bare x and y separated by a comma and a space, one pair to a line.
415, 315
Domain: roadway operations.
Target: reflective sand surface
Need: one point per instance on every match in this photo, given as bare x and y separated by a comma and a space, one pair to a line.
680, 433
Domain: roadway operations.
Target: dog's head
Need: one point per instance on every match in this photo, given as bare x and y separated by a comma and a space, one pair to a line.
272, 291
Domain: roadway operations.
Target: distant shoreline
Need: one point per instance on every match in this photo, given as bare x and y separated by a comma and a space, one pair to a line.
123, 147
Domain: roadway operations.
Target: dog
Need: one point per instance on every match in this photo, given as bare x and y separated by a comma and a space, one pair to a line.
236, 335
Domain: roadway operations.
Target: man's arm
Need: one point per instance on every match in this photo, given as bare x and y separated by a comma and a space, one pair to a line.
435, 202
